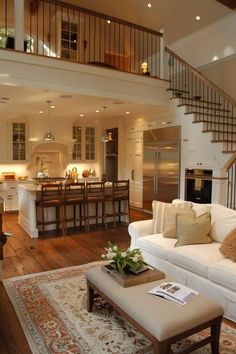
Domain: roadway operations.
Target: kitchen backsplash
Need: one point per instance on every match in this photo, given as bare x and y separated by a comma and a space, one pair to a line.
23, 169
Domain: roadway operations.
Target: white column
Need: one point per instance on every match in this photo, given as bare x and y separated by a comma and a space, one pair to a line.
162, 55
19, 24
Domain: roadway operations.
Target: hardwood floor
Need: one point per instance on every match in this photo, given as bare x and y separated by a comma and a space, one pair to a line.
23, 255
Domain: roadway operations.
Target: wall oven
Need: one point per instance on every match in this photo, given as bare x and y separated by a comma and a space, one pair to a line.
198, 185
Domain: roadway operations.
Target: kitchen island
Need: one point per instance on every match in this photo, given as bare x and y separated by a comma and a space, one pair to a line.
28, 195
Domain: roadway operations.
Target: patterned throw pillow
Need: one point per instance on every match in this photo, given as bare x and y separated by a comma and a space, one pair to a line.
228, 246
158, 210
192, 230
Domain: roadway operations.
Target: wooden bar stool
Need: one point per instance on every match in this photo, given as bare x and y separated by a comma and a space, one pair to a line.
51, 197
120, 200
95, 195
74, 194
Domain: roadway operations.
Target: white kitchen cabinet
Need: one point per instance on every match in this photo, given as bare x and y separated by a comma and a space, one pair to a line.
15, 146
10, 195
84, 143
134, 142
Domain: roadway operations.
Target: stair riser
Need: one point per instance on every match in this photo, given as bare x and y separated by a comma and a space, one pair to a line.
220, 127
231, 147
211, 105
224, 136
223, 120
206, 110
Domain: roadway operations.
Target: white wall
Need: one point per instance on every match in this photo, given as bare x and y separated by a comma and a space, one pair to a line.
223, 74
214, 41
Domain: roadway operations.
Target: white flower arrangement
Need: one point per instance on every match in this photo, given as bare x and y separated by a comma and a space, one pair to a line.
124, 260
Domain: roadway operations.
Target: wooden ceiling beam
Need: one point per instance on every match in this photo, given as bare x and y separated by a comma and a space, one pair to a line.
229, 3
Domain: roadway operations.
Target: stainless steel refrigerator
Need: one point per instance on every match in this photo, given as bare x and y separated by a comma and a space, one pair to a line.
161, 160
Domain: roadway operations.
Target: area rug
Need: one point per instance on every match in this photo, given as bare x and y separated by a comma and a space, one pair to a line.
51, 307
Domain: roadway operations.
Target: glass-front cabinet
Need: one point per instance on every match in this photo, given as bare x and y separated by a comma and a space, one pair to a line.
84, 143
18, 136
90, 143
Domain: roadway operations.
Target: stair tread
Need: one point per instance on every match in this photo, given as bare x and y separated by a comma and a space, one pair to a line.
223, 141
195, 100
203, 107
212, 122
177, 90
218, 131
210, 115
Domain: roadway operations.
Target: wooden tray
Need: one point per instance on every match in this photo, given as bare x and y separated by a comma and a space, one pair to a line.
128, 280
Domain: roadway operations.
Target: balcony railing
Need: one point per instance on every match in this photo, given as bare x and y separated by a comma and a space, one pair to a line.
55, 29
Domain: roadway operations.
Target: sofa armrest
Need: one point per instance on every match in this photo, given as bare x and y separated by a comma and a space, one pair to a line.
139, 229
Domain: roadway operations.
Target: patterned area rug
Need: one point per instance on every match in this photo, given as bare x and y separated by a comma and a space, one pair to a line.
51, 307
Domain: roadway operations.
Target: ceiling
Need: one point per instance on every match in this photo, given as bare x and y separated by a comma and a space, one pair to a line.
177, 17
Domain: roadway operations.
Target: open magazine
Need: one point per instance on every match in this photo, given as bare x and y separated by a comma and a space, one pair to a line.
175, 292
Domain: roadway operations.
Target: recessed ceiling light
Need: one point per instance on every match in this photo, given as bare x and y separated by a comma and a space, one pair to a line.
81, 115
198, 18
97, 111
40, 112
108, 21
149, 5
127, 112
52, 106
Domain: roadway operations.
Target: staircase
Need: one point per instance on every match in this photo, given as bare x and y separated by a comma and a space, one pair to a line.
209, 105
204, 100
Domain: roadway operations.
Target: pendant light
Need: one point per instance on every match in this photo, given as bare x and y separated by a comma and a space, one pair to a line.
105, 137
48, 136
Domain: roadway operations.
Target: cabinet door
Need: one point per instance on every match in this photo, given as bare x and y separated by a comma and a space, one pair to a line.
84, 143
11, 197
18, 141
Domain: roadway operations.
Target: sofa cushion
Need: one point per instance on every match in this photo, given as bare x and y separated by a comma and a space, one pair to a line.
195, 258
156, 244
223, 220
228, 246
170, 214
191, 230
158, 211
223, 273
201, 209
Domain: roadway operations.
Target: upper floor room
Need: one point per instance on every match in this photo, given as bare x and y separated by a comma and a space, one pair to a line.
127, 37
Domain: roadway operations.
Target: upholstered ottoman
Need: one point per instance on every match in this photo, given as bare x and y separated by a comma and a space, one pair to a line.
162, 321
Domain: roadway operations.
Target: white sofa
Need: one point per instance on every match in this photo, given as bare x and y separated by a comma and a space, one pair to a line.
200, 266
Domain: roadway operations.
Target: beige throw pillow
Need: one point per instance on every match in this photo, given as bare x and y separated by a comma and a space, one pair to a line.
170, 216
158, 211
228, 246
192, 230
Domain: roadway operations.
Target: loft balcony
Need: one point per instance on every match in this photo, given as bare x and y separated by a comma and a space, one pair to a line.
70, 33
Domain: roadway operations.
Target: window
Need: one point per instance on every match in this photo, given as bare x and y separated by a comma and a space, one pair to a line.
69, 40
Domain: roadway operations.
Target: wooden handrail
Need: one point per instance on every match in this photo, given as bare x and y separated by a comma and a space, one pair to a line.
106, 17
202, 77
230, 162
